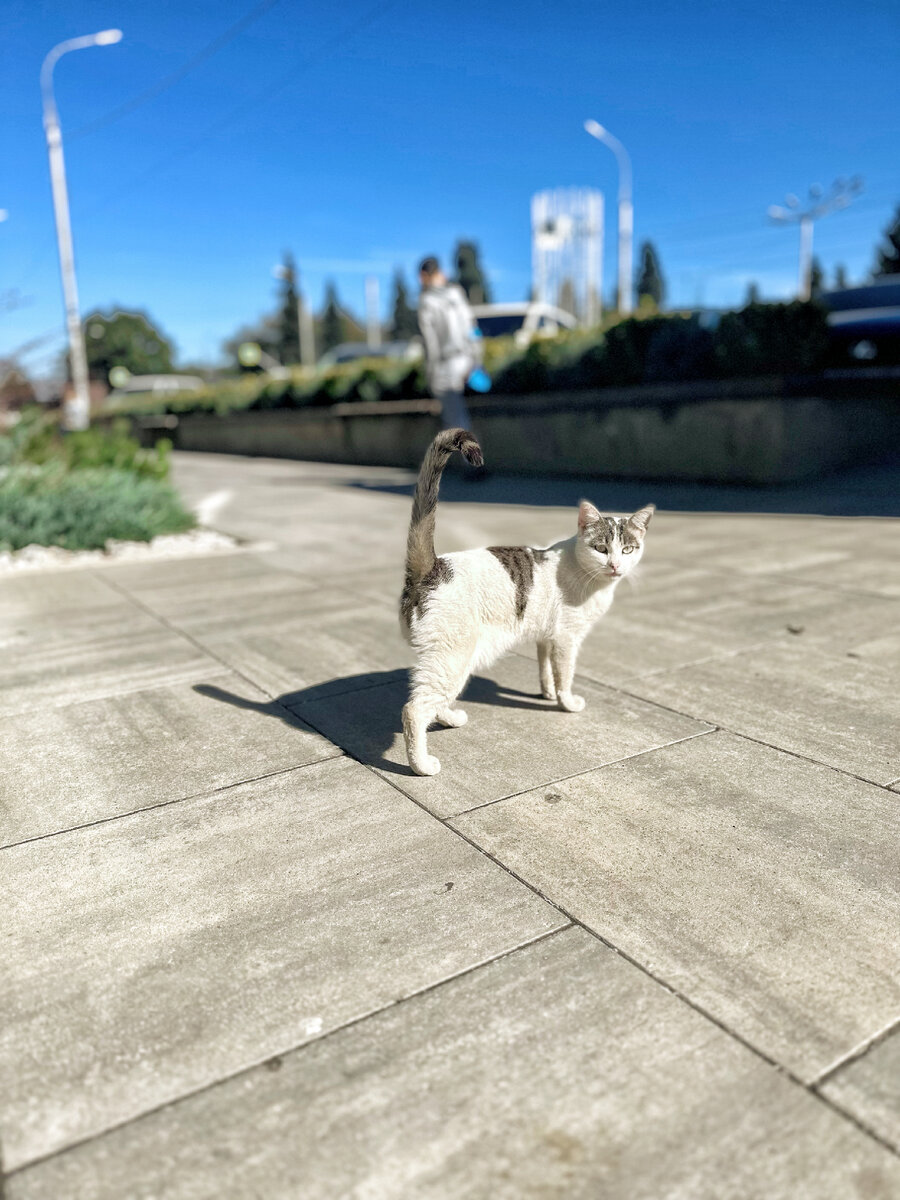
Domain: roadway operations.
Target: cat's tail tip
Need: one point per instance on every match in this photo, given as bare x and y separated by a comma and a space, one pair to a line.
466, 443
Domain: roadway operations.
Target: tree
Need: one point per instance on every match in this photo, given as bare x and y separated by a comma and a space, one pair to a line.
125, 339
288, 319
889, 251
752, 296
816, 278
469, 274
650, 282
405, 323
332, 329
840, 276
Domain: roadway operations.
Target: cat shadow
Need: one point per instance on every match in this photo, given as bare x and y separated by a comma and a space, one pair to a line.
360, 715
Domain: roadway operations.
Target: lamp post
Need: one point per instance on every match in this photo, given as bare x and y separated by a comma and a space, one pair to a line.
78, 406
626, 214
819, 205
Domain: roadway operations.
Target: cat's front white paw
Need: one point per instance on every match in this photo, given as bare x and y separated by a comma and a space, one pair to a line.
429, 765
454, 717
548, 693
570, 702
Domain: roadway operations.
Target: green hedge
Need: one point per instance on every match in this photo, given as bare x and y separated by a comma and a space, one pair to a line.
761, 339
84, 489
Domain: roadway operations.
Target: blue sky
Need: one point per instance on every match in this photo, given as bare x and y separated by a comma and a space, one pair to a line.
362, 136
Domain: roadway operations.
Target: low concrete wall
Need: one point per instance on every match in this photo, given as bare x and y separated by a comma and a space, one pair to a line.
738, 431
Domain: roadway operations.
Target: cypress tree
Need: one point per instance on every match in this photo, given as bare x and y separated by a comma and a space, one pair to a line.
650, 280
288, 318
405, 323
469, 273
331, 324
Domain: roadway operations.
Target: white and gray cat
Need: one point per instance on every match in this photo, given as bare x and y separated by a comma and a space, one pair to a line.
463, 611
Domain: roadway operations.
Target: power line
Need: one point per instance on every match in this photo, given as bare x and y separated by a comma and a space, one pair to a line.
236, 114
207, 52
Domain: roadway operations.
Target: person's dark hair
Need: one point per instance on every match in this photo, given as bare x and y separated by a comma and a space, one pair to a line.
429, 266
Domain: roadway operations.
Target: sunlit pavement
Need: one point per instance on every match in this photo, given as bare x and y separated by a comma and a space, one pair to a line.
651, 950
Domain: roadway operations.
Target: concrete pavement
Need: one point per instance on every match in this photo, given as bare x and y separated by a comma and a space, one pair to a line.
648, 951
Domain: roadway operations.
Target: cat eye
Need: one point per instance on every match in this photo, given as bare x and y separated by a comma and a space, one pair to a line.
603, 548
628, 549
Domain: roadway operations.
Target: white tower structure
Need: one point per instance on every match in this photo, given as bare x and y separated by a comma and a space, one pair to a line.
567, 250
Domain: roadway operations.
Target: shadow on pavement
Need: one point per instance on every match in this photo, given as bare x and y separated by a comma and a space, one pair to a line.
363, 725
872, 490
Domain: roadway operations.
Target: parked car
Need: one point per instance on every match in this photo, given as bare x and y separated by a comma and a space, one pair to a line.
352, 351
864, 322
523, 321
138, 387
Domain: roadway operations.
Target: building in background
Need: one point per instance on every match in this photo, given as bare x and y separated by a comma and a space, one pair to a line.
567, 251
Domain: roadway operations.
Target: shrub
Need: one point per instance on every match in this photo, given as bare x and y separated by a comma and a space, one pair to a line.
80, 490
85, 508
762, 339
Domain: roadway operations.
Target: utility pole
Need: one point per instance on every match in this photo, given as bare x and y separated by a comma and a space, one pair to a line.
626, 215
78, 406
819, 204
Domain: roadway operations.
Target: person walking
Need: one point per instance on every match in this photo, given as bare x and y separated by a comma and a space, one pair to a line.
451, 346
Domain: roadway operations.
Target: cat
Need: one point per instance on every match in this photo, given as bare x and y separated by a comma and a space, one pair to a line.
463, 611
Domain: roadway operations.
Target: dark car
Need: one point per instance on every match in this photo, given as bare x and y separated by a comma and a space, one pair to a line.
864, 323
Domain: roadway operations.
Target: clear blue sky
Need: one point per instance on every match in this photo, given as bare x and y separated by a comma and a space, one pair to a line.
363, 135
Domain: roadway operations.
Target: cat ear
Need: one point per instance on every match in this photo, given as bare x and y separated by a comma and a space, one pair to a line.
587, 515
641, 519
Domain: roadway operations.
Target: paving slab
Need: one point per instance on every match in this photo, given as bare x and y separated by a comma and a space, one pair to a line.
344, 645
761, 887
514, 740
869, 1088
199, 605
153, 955
58, 593
630, 642
128, 652
836, 710
87, 762
559, 1071
835, 622
868, 571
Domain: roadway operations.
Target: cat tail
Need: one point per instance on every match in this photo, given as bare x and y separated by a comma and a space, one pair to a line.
420, 556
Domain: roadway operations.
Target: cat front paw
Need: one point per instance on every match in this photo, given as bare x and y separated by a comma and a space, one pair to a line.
429, 765
569, 702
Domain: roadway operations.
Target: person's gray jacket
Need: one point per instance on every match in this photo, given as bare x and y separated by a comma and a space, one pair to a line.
448, 330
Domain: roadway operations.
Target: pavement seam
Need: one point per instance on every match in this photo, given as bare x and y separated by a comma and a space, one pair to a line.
577, 774
296, 1048
575, 921
134, 812
810, 1088
207, 651
855, 1055
747, 736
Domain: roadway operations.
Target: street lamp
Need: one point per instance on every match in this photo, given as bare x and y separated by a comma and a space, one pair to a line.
819, 205
626, 213
78, 406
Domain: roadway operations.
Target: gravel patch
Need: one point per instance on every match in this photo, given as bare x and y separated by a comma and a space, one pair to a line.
168, 545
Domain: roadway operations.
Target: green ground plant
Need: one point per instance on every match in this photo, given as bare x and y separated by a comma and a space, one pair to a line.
81, 490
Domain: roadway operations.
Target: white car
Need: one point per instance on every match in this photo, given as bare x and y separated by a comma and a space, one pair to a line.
523, 321
349, 352
143, 386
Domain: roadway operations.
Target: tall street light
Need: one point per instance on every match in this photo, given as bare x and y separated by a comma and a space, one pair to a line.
819, 205
626, 214
78, 406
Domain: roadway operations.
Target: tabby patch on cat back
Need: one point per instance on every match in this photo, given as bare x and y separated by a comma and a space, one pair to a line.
462, 611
